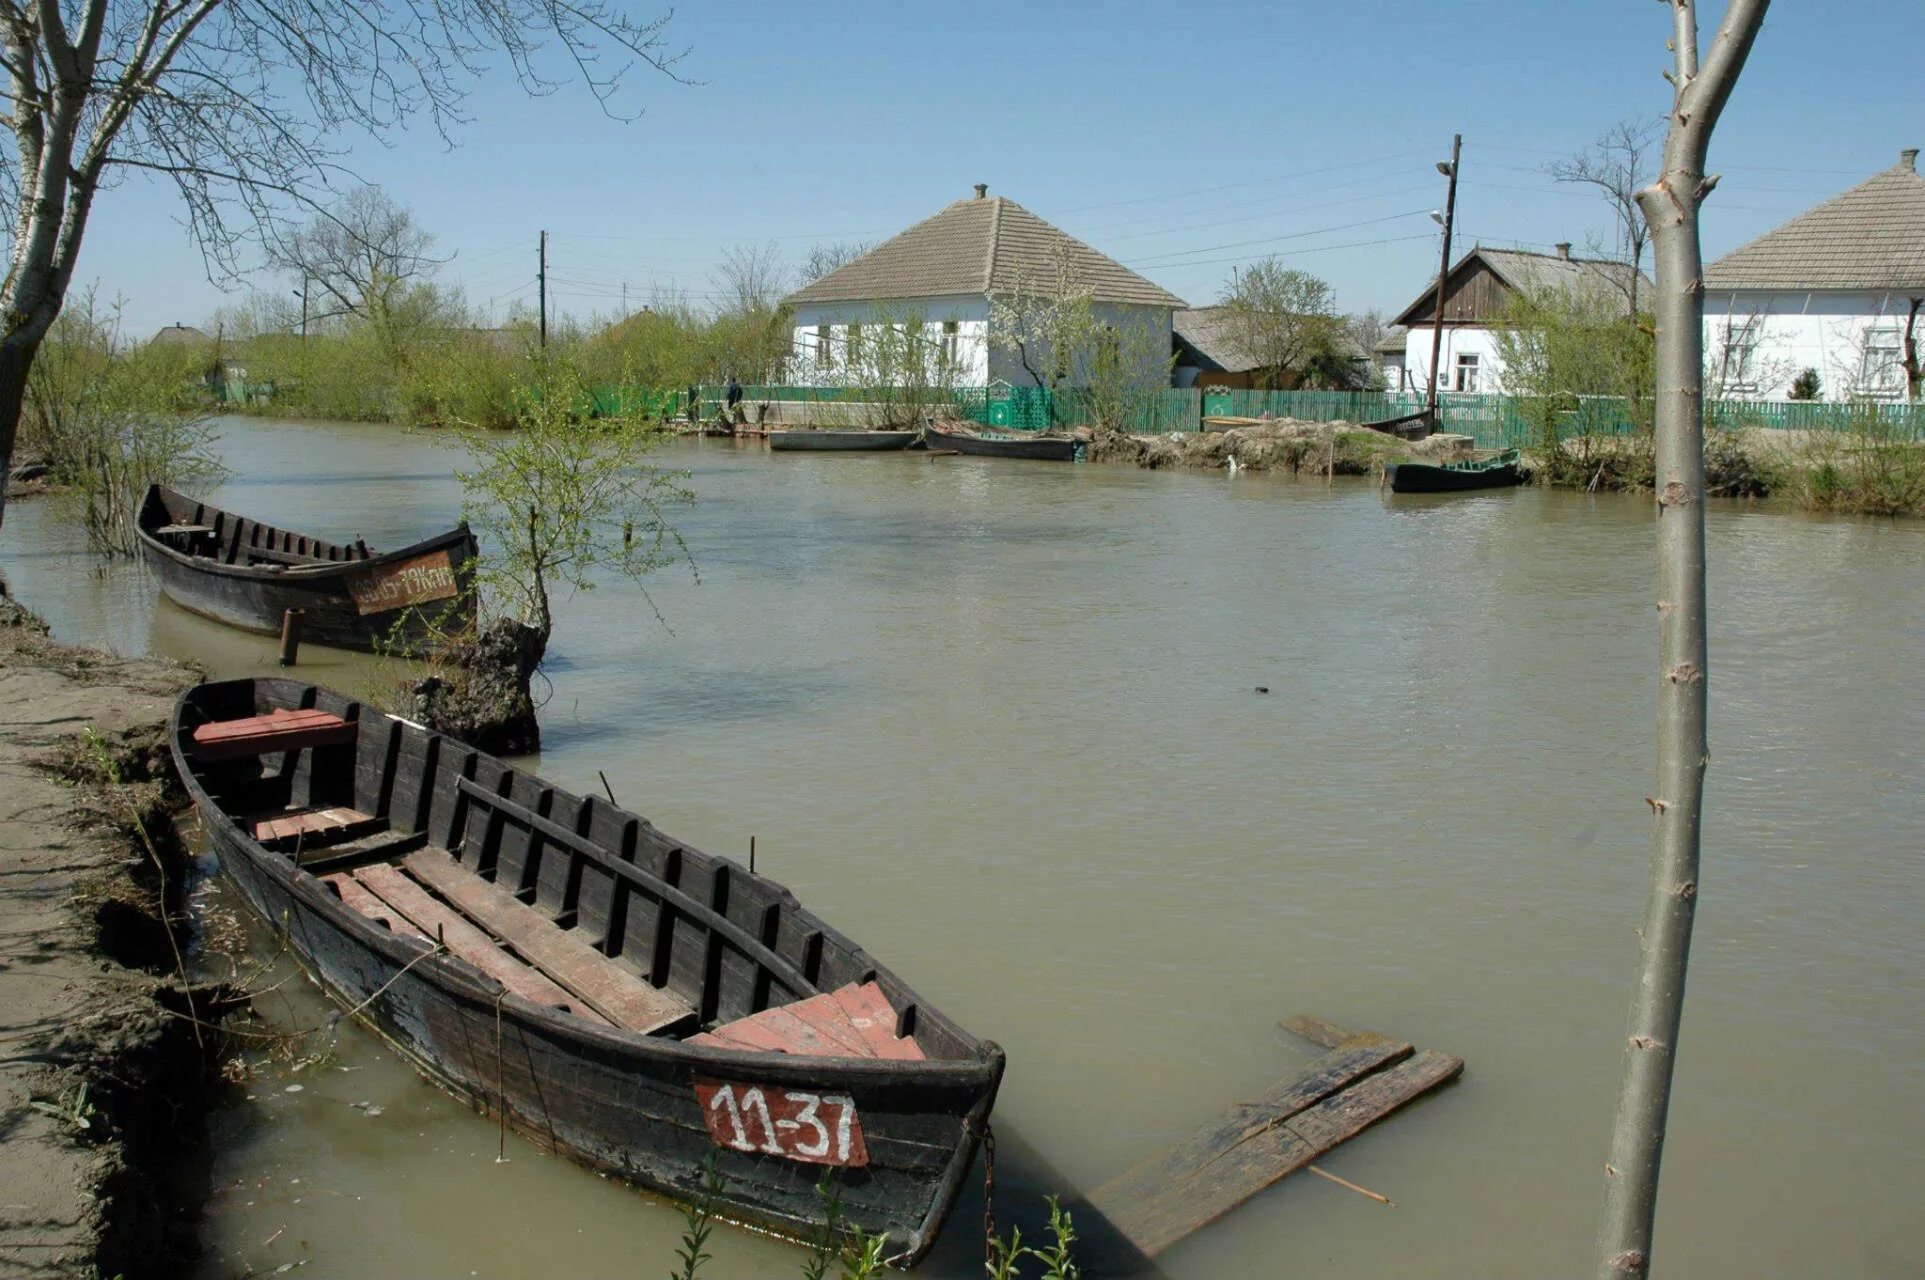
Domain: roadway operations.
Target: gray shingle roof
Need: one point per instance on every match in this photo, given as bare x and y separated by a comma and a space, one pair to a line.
1533, 273
1536, 272
978, 246
1207, 332
181, 335
1870, 237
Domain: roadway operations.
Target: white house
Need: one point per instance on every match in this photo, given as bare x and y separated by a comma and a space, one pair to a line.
942, 275
1834, 290
1476, 292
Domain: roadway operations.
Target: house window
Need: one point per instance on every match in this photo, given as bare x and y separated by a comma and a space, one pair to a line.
852, 348
1882, 370
951, 342
1466, 379
824, 356
1738, 358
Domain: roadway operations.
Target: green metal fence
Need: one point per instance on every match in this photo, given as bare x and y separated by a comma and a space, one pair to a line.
1494, 422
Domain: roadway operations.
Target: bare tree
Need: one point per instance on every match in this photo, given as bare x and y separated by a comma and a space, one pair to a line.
1909, 357
824, 258
1670, 208
750, 278
238, 104
1618, 165
1046, 320
358, 257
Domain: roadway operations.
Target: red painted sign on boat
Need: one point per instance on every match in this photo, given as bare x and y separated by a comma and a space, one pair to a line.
815, 1128
417, 581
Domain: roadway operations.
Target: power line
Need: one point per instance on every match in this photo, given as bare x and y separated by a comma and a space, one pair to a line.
1156, 259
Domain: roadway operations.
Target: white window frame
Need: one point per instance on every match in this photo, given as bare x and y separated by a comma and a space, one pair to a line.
952, 342
1881, 361
1464, 372
1738, 354
824, 353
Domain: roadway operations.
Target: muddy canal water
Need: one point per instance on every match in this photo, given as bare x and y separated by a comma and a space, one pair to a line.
999, 722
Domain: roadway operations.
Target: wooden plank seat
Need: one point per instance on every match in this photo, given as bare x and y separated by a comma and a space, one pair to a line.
622, 997
462, 939
309, 828
283, 730
357, 896
853, 1021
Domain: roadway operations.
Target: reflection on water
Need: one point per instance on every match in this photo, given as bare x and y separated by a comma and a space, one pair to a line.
998, 722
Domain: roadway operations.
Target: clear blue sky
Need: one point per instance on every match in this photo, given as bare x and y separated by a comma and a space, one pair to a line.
1156, 132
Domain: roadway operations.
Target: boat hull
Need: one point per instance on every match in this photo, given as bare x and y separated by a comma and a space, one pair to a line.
1037, 448
254, 597
613, 1099
1421, 477
840, 441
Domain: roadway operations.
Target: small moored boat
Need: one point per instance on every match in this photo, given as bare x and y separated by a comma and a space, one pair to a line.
1006, 445
827, 439
247, 574
1500, 472
618, 995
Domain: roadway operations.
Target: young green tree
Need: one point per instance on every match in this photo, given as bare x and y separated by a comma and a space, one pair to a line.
1562, 348
561, 504
1670, 206
1286, 321
109, 420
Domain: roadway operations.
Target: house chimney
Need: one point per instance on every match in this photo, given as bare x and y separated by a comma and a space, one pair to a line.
1564, 250
982, 188
1909, 158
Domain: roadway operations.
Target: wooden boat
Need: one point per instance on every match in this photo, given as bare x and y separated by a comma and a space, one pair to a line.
622, 997
245, 573
1452, 477
1006, 445
829, 439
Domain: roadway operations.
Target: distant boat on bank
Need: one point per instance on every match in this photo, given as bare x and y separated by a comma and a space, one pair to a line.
998, 444
1500, 472
829, 440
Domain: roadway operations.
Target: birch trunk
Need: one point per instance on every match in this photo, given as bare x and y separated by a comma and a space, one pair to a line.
1670, 207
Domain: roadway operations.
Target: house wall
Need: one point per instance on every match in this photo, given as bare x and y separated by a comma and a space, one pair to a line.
1004, 365
971, 316
1458, 340
1851, 339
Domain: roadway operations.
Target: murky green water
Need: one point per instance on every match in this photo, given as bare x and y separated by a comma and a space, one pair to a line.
998, 722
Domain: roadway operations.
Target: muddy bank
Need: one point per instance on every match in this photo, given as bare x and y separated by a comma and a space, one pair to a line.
1318, 448
103, 1082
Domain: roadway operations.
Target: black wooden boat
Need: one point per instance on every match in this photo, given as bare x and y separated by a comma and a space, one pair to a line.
624, 998
1500, 472
829, 439
246, 574
999, 445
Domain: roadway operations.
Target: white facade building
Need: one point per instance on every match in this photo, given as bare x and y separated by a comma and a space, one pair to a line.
1834, 290
932, 290
1476, 293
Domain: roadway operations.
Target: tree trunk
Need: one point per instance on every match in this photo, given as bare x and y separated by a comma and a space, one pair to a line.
16, 357
1914, 373
1670, 209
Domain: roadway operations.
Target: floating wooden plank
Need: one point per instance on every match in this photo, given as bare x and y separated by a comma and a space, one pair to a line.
275, 731
1166, 1198
1321, 1031
465, 940
618, 995
356, 895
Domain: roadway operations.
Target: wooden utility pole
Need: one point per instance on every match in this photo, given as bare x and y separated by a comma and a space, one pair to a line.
541, 272
1670, 209
1443, 271
304, 308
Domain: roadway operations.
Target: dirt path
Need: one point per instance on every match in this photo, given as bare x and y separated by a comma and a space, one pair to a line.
67, 1013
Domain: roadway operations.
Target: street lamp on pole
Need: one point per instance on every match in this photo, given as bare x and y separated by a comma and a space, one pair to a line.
1449, 170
